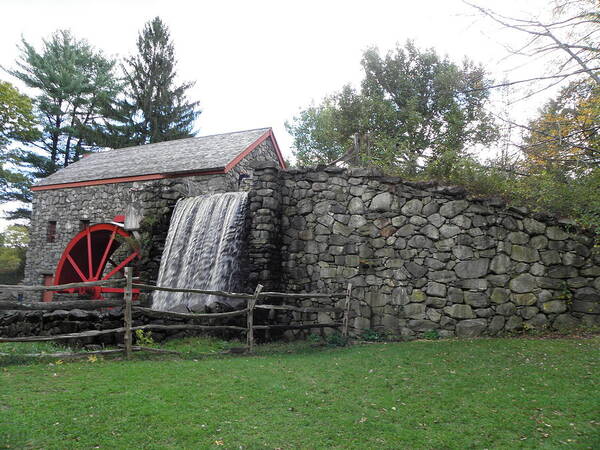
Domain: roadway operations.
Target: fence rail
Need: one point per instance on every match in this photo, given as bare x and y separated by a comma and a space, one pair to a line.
128, 307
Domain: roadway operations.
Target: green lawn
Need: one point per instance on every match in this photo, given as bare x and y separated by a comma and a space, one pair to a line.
486, 393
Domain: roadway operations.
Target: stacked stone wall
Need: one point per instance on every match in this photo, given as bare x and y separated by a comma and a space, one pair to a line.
422, 257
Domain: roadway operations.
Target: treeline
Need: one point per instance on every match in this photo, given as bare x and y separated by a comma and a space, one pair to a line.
85, 100
422, 116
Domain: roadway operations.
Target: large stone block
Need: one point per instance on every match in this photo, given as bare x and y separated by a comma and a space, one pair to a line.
524, 254
356, 206
500, 295
420, 241
422, 325
565, 322
500, 264
476, 299
470, 328
514, 323
476, 268
459, 311
523, 283
436, 289
533, 226
587, 307
506, 309
562, 272
412, 207
382, 202
587, 294
556, 234
554, 307
496, 325
453, 208
527, 299
448, 231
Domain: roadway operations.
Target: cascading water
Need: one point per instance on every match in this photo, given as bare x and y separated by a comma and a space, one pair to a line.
203, 251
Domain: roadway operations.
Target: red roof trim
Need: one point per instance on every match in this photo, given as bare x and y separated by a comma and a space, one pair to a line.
155, 176
269, 134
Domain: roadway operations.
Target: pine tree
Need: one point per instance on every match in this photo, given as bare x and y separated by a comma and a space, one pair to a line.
74, 83
154, 107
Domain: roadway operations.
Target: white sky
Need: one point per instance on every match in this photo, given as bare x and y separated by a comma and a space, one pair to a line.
256, 63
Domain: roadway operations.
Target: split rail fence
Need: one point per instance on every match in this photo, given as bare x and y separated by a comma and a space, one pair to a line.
128, 307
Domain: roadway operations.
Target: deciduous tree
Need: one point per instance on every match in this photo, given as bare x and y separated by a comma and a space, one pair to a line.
17, 126
414, 104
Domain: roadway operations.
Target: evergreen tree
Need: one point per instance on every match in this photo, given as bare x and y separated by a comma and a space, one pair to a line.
74, 83
154, 107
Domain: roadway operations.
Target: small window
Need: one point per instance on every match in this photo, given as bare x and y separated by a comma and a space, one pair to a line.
51, 231
84, 225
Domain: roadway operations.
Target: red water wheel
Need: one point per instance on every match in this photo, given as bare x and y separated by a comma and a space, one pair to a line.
100, 252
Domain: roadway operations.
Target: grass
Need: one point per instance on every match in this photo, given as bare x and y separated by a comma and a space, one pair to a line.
485, 393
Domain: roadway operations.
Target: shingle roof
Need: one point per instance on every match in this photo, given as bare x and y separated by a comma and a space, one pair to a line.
195, 154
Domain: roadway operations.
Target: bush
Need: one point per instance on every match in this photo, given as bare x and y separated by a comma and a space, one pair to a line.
336, 340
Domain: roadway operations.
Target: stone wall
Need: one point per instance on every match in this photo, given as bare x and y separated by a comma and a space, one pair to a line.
100, 204
48, 323
420, 257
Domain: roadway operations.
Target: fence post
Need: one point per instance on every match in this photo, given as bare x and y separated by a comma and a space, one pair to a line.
250, 319
127, 338
346, 321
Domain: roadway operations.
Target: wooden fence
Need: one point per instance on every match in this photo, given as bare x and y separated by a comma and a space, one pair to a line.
128, 307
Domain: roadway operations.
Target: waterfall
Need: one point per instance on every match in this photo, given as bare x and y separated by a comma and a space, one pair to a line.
203, 251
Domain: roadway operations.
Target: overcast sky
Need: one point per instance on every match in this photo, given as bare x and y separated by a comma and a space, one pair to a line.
257, 63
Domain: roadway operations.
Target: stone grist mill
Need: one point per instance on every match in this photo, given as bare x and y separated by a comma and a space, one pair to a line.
223, 212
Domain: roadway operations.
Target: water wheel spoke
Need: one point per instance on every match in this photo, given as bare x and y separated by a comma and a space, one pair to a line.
121, 266
89, 253
76, 267
105, 254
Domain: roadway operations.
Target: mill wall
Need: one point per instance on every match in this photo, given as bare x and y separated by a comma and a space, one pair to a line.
421, 257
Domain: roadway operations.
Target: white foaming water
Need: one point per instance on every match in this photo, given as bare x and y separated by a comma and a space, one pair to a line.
203, 251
